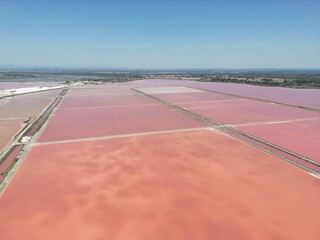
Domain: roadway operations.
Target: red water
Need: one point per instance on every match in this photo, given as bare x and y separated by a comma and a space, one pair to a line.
193, 185
244, 111
94, 122
302, 137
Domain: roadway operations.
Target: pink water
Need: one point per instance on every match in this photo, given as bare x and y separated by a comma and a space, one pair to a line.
302, 137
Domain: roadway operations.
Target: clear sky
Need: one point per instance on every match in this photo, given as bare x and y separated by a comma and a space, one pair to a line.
161, 33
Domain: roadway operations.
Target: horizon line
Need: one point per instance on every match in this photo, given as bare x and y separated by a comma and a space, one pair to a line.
12, 67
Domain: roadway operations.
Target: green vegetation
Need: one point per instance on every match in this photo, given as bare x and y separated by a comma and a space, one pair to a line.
279, 78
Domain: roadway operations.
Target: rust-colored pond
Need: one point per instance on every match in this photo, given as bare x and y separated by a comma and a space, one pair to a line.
188, 185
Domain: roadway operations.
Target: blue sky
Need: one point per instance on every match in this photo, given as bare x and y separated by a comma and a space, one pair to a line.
161, 33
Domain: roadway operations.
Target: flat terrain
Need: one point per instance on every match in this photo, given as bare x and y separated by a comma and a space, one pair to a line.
151, 160
188, 185
23, 107
265, 116
299, 97
105, 101
300, 136
105, 121
22, 84
8, 129
16, 112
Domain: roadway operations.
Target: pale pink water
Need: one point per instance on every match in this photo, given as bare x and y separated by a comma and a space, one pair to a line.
192, 185
302, 137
